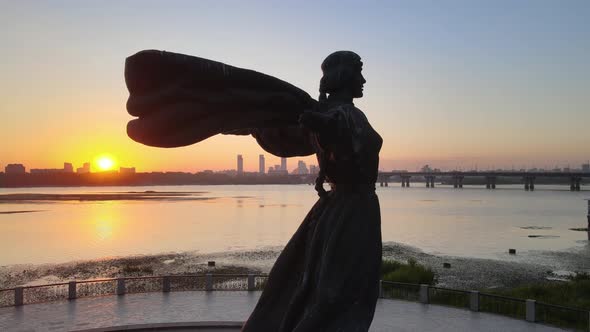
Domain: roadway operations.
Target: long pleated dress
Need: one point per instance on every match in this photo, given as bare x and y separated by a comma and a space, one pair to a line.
326, 278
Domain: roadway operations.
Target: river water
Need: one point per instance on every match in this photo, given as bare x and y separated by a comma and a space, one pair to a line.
472, 222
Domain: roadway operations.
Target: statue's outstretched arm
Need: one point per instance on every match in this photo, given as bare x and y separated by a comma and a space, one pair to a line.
290, 141
180, 100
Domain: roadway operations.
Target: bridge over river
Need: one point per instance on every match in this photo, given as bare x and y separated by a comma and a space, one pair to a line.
491, 178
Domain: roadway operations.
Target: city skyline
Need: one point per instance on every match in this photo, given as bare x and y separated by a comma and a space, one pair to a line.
454, 85
87, 167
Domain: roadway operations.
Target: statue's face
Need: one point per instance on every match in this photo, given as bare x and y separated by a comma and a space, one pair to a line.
342, 75
358, 81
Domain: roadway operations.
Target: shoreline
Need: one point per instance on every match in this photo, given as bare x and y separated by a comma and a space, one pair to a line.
464, 273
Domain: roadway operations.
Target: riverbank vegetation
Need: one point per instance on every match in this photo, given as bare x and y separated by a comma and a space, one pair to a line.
560, 303
410, 272
573, 293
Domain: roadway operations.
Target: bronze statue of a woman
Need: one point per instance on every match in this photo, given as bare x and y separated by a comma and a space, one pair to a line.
326, 278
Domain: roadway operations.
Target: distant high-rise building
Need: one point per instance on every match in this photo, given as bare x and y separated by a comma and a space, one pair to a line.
240, 165
46, 170
283, 164
313, 169
276, 170
68, 168
15, 169
301, 168
261, 164
127, 170
84, 169
586, 168
426, 169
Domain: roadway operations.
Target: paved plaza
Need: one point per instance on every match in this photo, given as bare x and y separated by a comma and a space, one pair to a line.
157, 308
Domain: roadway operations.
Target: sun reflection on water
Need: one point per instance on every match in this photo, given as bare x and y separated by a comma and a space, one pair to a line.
254, 217
104, 229
104, 226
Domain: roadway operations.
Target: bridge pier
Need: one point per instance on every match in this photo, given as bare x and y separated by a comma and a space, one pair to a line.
529, 183
490, 182
576, 184
456, 178
429, 181
405, 181
457, 181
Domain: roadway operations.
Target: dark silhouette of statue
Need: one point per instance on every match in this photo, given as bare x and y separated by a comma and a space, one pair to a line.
326, 278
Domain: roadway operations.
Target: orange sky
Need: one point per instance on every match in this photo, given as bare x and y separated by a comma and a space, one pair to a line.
468, 86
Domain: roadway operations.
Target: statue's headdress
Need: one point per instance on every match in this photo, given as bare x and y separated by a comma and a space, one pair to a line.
338, 69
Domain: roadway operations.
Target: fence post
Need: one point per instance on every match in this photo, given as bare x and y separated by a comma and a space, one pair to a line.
166, 284
18, 296
424, 294
380, 289
72, 290
120, 286
474, 301
208, 282
251, 283
530, 310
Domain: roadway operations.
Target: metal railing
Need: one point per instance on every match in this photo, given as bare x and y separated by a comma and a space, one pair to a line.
450, 297
562, 316
529, 310
502, 305
77, 289
400, 291
7, 297
43, 293
92, 288
516, 308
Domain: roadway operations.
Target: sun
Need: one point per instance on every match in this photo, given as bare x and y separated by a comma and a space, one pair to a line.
105, 163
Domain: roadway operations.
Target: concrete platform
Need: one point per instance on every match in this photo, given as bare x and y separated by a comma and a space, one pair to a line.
159, 311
